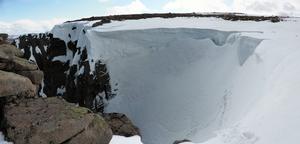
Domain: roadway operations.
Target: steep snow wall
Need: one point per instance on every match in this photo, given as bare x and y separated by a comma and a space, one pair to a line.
174, 82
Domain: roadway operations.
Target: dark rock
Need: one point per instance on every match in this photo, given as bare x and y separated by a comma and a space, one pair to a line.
121, 124
181, 141
3, 38
83, 88
54, 121
226, 16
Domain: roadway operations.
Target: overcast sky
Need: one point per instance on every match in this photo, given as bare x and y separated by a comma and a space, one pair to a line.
19, 16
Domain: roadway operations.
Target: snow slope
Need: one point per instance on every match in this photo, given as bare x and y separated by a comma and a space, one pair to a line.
204, 79
125, 140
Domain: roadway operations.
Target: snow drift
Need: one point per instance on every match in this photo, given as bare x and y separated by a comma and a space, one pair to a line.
203, 79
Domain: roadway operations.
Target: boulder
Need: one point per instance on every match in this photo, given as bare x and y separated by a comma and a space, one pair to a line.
20, 64
3, 38
12, 84
54, 121
35, 76
121, 124
10, 59
11, 50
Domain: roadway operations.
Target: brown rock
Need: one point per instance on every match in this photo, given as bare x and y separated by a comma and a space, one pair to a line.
121, 124
15, 85
35, 76
11, 50
21, 64
54, 121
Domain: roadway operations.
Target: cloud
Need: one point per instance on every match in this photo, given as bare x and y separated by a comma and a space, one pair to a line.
260, 7
28, 26
268, 7
135, 6
196, 6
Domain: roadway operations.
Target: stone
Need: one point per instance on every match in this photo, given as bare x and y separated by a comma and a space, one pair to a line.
20, 64
11, 50
54, 121
121, 124
3, 38
12, 84
35, 76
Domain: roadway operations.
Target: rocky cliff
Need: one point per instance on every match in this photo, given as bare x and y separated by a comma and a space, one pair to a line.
63, 76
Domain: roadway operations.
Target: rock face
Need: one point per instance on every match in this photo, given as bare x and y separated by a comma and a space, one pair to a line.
121, 125
64, 74
54, 121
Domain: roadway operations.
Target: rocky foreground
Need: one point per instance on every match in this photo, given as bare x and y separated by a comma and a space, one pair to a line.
27, 118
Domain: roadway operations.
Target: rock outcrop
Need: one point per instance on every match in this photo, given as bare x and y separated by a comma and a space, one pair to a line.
121, 125
52, 120
17, 75
15, 85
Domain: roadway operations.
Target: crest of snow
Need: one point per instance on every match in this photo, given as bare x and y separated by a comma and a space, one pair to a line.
125, 140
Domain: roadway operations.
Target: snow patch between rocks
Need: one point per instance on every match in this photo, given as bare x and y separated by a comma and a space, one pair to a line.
2, 141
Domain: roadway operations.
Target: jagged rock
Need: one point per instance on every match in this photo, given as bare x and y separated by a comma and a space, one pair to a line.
35, 76
121, 124
181, 141
12, 84
54, 121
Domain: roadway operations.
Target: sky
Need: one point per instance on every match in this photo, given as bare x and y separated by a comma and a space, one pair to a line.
24, 16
